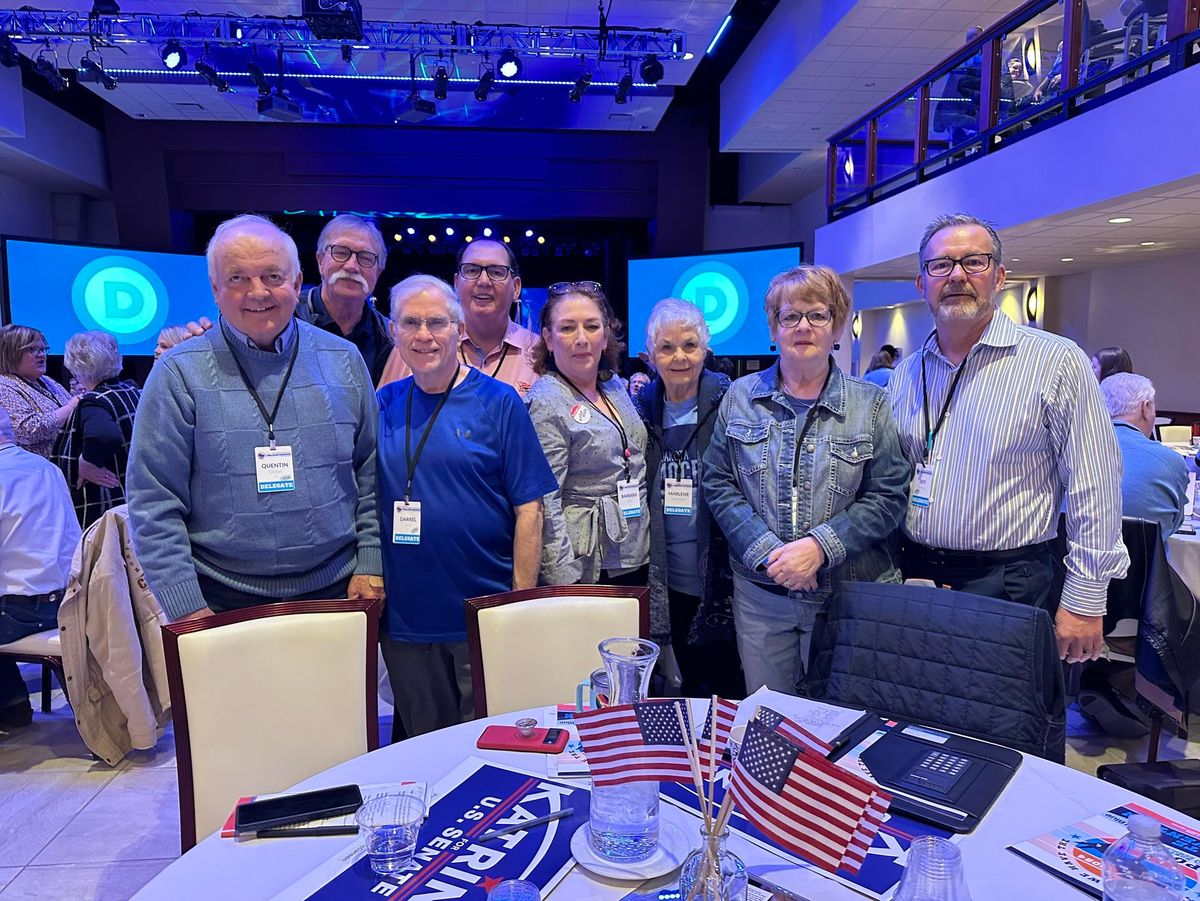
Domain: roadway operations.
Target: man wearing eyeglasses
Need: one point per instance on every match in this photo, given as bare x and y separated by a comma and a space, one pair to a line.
487, 281
351, 254
1005, 423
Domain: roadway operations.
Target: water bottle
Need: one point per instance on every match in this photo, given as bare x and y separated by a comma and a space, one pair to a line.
1139, 867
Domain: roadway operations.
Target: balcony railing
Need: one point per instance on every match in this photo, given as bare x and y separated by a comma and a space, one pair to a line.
1045, 62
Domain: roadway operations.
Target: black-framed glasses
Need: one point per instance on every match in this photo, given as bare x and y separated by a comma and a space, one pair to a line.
818, 318
559, 288
437, 325
972, 264
340, 252
495, 272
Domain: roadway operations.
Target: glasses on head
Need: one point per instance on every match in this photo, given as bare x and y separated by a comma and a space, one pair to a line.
39, 350
818, 318
495, 272
972, 264
437, 325
559, 288
340, 252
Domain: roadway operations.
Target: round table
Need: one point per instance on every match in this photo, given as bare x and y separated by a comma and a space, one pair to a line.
1040, 797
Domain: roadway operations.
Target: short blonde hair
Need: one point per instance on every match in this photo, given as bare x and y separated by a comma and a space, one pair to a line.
93, 356
673, 311
14, 341
815, 284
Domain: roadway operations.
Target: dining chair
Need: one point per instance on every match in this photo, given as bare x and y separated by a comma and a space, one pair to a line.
530, 648
268, 696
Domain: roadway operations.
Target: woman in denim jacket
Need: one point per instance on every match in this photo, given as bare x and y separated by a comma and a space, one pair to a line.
806, 478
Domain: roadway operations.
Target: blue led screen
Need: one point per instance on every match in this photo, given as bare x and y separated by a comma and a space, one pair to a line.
727, 287
63, 289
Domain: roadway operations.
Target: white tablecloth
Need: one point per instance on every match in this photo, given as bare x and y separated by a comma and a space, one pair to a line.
1184, 551
1040, 797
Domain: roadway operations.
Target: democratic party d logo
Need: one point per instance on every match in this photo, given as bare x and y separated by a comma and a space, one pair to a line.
121, 296
721, 294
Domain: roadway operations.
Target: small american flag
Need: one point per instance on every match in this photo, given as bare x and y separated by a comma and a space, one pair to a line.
725, 712
639, 742
777, 722
806, 804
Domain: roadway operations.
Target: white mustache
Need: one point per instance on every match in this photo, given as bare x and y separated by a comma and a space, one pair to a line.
343, 275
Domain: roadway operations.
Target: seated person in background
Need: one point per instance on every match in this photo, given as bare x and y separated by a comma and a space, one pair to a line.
37, 405
1022, 87
93, 449
1110, 360
252, 471
1154, 478
38, 534
879, 370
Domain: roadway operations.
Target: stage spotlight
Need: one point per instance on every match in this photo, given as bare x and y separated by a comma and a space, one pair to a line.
624, 86
260, 78
510, 64
105, 8
441, 82
581, 85
486, 78
211, 76
47, 67
651, 69
173, 54
10, 56
91, 70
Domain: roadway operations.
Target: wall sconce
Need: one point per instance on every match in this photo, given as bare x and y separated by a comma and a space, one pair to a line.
1031, 303
856, 326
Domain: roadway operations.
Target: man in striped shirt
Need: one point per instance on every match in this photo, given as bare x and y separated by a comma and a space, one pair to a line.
1003, 423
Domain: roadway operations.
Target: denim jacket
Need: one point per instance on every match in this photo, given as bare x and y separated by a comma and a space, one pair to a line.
852, 479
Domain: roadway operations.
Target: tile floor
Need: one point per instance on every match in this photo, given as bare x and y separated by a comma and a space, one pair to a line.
73, 827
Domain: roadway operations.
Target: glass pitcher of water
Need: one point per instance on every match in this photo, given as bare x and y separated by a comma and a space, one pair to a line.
623, 825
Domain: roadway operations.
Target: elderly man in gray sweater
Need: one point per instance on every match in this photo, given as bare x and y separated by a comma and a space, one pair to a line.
252, 470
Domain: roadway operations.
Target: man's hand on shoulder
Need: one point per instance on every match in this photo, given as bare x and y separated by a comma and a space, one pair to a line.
196, 329
1080, 638
365, 588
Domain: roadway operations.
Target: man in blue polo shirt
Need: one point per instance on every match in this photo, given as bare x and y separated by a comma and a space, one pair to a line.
461, 478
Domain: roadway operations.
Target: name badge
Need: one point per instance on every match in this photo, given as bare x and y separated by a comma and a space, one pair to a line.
629, 499
274, 470
406, 522
922, 486
679, 497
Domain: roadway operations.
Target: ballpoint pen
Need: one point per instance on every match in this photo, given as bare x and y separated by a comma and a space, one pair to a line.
528, 824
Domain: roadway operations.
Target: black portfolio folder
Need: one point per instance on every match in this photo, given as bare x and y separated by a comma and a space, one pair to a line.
934, 776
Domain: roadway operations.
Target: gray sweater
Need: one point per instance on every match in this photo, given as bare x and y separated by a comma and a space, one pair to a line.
193, 497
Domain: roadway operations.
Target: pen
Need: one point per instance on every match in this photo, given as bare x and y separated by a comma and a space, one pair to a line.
528, 824
844, 737
310, 830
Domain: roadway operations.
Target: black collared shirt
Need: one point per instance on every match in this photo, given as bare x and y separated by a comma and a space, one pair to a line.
370, 335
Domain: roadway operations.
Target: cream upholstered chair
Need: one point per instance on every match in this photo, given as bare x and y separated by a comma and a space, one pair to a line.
530, 648
266, 697
1172, 434
44, 648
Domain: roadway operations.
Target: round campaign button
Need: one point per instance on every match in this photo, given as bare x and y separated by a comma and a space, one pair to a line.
581, 414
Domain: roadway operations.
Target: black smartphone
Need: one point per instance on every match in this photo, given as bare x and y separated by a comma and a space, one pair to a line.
314, 805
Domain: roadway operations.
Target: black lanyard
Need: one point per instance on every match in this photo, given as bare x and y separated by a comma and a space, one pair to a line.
930, 434
678, 456
409, 458
808, 421
615, 419
262, 408
503, 353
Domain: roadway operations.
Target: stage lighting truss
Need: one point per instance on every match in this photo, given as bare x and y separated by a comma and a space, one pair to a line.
292, 33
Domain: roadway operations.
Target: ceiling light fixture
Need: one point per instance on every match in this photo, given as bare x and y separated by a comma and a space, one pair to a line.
432, 239
260, 78
651, 69
487, 232
173, 54
541, 239
624, 86
411, 230
718, 35
510, 64
1148, 243
209, 74
468, 239
1067, 259
449, 232
441, 82
46, 65
398, 237
91, 70
507, 239
486, 78
1120, 220
581, 85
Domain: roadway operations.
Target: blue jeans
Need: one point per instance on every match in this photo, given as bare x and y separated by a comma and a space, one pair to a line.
774, 634
18, 619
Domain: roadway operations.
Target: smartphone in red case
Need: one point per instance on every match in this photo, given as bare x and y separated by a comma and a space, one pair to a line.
506, 738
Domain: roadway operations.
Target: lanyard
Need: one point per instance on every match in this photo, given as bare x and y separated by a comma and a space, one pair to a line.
808, 421
615, 419
409, 458
287, 376
680, 455
931, 433
462, 355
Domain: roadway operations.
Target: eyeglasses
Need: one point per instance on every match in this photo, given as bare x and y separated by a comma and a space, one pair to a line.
559, 288
816, 318
437, 325
972, 264
340, 252
39, 351
495, 272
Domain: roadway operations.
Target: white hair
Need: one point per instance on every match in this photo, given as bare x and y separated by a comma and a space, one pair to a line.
1124, 392
672, 311
419, 283
93, 357
345, 222
249, 222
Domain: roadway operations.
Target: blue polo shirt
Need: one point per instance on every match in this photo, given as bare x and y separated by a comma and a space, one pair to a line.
482, 460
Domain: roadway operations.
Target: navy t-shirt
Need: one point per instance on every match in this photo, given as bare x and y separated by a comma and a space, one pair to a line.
482, 459
681, 460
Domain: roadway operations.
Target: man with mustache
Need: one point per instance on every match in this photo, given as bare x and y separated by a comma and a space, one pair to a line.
1003, 424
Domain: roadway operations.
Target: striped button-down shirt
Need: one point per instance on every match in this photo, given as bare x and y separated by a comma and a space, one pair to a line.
1025, 429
